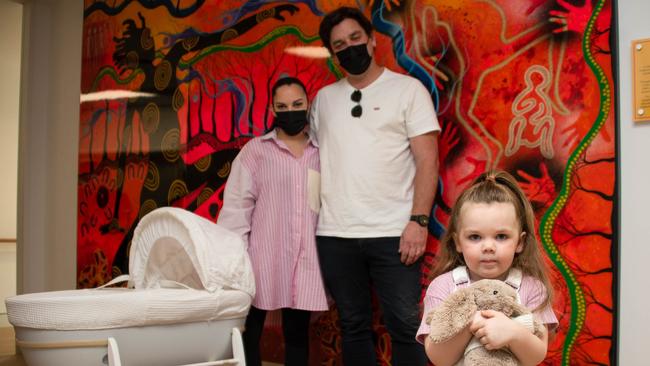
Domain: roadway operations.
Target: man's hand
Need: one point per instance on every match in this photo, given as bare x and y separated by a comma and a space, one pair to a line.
412, 243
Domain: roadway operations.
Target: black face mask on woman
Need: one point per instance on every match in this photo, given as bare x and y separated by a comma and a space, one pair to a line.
355, 59
291, 122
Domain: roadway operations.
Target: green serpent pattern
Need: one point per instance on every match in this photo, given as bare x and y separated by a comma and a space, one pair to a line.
578, 307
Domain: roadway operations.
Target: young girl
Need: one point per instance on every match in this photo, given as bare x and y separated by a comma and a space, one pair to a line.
272, 200
491, 235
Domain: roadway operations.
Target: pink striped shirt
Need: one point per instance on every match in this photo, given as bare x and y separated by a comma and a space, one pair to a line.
531, 293
271, 200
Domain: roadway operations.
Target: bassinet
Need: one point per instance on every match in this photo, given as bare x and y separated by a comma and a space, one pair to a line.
191, 285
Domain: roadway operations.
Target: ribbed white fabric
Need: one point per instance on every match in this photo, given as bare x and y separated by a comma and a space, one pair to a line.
174, 244
107, 308
169, 245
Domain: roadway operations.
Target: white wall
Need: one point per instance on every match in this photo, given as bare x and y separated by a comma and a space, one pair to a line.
10, 39
635, 196
47, 196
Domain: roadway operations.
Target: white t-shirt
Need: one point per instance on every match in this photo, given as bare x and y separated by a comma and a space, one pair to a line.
367, 168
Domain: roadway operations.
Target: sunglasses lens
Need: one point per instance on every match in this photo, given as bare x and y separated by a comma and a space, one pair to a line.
356, 96
357, 111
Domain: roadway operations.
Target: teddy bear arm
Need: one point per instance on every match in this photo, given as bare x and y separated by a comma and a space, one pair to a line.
444, 324
451, 316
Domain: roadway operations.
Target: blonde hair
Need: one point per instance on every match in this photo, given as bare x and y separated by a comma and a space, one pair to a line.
497, 186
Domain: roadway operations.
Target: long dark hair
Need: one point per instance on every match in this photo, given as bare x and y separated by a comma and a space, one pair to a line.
287, 80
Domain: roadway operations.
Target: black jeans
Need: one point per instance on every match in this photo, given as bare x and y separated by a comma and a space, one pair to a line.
349, 267
295, 328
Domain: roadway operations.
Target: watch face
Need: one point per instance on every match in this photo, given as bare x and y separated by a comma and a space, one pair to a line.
422, 220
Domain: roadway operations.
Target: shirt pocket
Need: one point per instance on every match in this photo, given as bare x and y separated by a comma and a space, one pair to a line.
313, 190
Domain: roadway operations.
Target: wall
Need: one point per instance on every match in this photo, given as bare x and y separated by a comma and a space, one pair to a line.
10, 38
48, 165
635, 195
48, 145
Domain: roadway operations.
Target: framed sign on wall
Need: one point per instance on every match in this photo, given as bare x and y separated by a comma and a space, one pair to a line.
641, 79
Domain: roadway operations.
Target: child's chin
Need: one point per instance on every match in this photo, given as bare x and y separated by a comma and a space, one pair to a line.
492, 275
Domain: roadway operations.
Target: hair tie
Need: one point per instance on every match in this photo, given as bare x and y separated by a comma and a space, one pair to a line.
491, 178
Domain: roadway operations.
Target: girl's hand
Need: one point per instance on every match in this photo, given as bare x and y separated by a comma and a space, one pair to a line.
497, 331
477, 322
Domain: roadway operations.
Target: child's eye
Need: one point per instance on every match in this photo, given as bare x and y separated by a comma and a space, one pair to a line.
474, 237
502, 236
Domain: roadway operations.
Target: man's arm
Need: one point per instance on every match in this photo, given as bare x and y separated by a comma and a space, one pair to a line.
425, 153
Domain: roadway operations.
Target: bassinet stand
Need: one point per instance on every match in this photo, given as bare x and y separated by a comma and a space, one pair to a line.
113, 350
237, 351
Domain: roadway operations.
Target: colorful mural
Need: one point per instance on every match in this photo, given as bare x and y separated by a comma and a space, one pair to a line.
524, 86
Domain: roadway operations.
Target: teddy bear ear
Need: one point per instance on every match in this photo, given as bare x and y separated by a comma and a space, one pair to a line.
467, 308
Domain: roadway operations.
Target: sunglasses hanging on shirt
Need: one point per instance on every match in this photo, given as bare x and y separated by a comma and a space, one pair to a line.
357, 111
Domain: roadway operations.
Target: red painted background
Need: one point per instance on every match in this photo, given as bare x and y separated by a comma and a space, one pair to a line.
524, 86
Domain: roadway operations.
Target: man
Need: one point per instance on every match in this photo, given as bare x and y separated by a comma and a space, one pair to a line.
377, 132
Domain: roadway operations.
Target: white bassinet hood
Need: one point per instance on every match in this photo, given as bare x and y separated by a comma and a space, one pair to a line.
172, 244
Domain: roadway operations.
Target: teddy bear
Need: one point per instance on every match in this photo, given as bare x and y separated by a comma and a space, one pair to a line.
456, 312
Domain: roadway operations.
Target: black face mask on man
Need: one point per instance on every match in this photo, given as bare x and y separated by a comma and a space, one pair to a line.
355, 59
291, 122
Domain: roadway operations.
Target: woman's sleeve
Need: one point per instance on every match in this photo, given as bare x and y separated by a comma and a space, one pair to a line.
238, 199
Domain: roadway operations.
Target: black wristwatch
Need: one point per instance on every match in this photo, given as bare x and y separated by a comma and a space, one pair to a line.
422, 220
